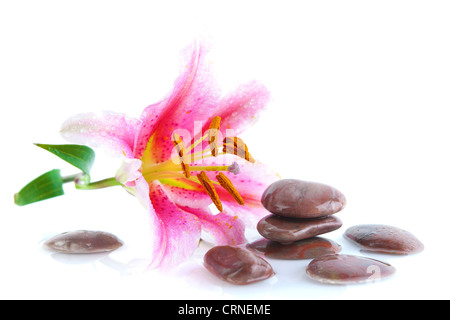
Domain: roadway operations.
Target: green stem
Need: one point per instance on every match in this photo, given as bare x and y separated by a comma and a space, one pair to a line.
70, 178
105, 183
82, 182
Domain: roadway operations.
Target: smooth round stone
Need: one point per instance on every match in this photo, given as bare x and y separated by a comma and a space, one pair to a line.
304, 249
347, 269
83, 241
384, 238
237, 265
288, 230
302, 199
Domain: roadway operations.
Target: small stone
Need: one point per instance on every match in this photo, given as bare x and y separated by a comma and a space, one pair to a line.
288, 230
304, 249
384, 238
83, 241
237, 265
302, 199
347, 269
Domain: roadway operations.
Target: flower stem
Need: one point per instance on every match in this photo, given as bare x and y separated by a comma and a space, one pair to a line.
70, 178
105, 183
82, 182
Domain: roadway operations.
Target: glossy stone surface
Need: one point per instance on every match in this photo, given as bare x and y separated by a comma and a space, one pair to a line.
302, 199
347, 269
304, 249
236, 265
384, 238
83, 241
288, 230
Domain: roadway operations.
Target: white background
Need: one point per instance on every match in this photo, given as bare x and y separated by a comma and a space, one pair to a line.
360, 101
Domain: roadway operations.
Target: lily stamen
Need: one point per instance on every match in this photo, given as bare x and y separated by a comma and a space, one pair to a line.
179, 145
213, 135
210, 190
228, 185
236, 146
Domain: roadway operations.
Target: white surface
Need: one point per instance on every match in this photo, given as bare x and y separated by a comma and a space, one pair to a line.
360, 101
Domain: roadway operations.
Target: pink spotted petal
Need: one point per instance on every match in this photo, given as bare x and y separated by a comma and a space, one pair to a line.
249, 214
180, 231
114, 132
251, 182
240, 109
225, 227
157, 238
194, 98
149, 120
193, 198
129, 171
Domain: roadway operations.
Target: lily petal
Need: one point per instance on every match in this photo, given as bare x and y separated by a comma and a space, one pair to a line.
226, 228
149, 120
112, 131
195, 197
251, 183
129, 172
249, 214
194, 98
240, 108
179, 230
158, 239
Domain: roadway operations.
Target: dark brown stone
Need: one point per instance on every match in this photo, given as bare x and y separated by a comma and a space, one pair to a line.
347, 269
301, 199
384, 238
287, 230
304, 249
237, 265
83, 241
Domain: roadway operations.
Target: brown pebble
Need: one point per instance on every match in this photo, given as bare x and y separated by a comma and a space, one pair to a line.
236, 265
304, 249
302, 199
348, 269
384, 239
288, 230
82, 241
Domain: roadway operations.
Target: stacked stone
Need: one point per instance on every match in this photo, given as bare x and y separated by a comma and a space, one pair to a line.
301, 211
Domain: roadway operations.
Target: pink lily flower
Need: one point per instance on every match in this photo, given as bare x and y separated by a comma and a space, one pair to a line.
175, 195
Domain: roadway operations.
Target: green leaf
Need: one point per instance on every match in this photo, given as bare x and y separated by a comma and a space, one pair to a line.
46, 186
79, 156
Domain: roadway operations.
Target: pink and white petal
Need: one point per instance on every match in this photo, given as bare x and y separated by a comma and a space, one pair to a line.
112, 131
249, 214
157, 239
195, 197
149, 120
180, 230
194, 98
129, 171
225, 228
251, 182
240, 108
